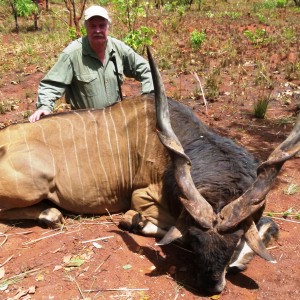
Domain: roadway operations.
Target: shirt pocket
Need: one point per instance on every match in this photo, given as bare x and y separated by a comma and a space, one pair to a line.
88, 84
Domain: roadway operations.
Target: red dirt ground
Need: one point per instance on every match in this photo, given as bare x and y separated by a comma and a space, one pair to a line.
47, 264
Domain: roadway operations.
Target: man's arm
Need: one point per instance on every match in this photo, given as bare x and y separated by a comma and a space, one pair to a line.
53, 87
138, 67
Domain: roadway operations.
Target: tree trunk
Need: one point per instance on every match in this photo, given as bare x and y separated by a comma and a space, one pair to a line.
16, 21
36, 16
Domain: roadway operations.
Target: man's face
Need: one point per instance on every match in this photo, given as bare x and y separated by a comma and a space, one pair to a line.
97, 30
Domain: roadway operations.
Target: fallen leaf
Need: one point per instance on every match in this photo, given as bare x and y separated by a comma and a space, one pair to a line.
56, 268
127, 267
97, 245
31, 290
3, 286
215, 297
75, 262
67, 258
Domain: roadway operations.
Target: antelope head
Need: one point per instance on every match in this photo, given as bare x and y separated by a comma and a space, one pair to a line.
214, 236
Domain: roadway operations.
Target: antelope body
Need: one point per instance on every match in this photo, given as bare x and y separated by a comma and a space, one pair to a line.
156, 161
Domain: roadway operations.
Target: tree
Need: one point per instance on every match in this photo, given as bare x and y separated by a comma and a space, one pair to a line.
23, 8
74, 18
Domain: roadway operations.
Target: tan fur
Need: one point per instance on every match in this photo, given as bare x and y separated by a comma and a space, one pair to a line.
86, 162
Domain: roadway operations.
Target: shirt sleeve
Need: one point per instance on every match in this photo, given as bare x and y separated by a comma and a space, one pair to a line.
137, 67
54, 84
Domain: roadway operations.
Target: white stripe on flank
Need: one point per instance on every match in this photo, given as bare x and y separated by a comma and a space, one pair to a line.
146, 126
30, 157
128, 144
137, 130
47, 145
87, 150
98, 146
147, 129
11, 162
63, 149
118, 147
109, 142
19, 191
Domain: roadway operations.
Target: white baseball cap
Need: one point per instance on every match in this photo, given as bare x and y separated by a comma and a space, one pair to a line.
96, 10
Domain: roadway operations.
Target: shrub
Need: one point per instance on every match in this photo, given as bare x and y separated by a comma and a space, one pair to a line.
261, 107
140, 38
281, 3
197, 38
258, 37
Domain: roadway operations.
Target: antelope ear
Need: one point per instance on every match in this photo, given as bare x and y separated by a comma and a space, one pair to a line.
256, 244
172, 235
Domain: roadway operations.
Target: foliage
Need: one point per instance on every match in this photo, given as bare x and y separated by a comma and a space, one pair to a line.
140, 38
212, 84
24, 8
129, 11
281, 3
73, 32
103, 2
174, 6
197, 38
260, 6
232, 15
262, 19
75, 14
292, 71
269, 4
289, 34
261, 107
257, 37
262, 77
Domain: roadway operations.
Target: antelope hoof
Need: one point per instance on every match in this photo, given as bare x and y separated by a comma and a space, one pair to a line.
132, 221
52, 217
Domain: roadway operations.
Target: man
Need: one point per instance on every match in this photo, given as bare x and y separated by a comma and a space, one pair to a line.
90, 70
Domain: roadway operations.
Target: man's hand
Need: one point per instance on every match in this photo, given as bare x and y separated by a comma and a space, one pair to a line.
37, 115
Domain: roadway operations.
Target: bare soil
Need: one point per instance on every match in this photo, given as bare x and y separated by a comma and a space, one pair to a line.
39, 263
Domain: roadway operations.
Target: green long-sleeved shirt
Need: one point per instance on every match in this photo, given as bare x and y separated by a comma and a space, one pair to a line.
86, 81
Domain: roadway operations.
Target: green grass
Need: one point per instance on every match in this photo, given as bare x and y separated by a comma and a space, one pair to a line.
290, 213
261, 107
